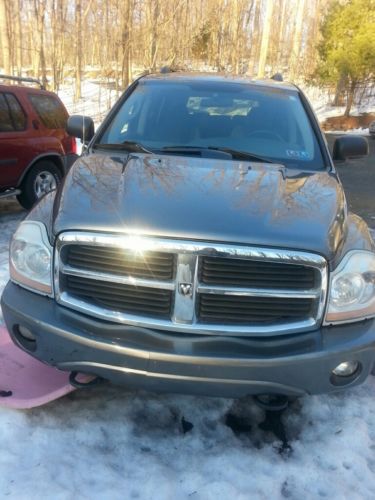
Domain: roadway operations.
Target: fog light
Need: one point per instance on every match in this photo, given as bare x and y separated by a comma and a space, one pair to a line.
26, 333
346, 369
25, 337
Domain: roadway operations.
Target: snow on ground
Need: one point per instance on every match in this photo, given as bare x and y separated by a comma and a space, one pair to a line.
111, 443
354, 131
321, 100
97, 99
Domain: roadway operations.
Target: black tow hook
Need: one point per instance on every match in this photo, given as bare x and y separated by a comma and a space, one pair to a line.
274, 406
272, 402
84, 385
5, 394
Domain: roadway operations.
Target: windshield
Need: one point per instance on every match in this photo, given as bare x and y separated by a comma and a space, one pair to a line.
269, 122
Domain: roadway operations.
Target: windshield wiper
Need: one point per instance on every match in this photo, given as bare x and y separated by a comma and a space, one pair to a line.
131, 146
184, 149
235, 154
241, 155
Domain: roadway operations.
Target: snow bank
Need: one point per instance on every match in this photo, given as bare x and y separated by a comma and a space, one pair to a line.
112, 443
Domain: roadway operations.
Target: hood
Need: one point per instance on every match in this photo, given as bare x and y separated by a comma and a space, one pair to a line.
203, 199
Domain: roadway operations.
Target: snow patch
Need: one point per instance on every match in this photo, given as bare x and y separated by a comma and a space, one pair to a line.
321, 100
354, 131
97, 99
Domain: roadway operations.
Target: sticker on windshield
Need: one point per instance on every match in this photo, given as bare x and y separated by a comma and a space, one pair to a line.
298, 155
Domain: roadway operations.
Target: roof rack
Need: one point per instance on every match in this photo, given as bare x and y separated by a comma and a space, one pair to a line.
278, 77
176, 69
22, 79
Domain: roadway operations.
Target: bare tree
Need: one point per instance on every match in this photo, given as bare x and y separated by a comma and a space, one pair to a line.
5, 36
78, 65
297, 39
265, 38
18, 36
114, 39
125, 43
40, 12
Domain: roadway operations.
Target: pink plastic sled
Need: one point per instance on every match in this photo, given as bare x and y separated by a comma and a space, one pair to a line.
26, 382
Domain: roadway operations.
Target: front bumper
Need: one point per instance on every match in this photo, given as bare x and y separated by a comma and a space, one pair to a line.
194, 364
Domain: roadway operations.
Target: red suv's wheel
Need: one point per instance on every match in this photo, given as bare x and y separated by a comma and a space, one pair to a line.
42, 178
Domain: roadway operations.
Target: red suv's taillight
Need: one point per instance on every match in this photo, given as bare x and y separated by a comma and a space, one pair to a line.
73, 145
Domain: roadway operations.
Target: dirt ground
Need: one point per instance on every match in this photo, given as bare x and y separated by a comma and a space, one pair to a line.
348, 122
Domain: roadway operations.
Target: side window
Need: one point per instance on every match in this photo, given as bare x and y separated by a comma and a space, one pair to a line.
50, 111
16, 112
5, 119
12, 117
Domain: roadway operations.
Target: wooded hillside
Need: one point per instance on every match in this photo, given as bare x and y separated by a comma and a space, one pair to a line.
117, 39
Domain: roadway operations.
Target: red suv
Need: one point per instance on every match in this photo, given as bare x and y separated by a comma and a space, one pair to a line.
35, 150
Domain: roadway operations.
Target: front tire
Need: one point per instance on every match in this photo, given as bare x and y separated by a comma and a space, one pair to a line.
40, 180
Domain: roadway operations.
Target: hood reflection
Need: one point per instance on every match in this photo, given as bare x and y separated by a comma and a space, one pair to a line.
200, 198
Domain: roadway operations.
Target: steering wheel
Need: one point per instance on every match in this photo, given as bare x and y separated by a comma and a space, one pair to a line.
267, 133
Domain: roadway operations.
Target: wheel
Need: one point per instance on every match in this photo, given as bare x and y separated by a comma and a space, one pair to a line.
42, 178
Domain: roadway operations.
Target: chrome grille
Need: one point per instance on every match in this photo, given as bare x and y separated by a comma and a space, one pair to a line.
158, 265
121, 297
191, 287
251, 273
229, 309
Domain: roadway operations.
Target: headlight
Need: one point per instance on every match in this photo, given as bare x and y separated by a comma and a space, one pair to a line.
31, 258
352, 288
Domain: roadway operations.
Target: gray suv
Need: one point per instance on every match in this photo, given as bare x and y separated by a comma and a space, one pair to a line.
202, 244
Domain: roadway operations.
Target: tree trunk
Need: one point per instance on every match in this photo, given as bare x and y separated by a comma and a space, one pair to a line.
265, 38
125, 40
297, 40
18, 38
340, 89
350, 98
4, 38
255, 39
40, 10
154, 18
78, 68
281, 37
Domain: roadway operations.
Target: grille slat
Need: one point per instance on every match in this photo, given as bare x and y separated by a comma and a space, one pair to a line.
123, 298
253, 273
235, 309
118, 294
136, 265
151, 265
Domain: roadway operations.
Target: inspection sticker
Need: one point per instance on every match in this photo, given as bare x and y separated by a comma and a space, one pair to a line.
298, 155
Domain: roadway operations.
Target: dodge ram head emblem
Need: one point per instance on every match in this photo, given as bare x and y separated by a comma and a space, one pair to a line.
185, 289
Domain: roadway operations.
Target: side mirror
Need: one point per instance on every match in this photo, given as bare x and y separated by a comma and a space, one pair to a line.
350, 146
81, 126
